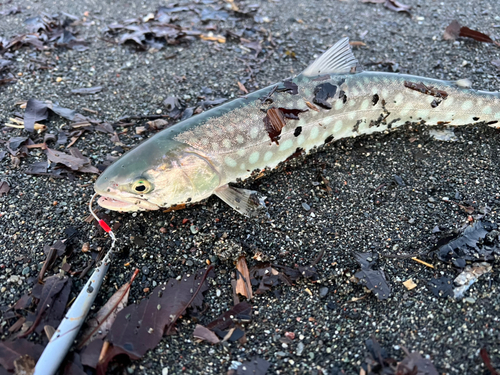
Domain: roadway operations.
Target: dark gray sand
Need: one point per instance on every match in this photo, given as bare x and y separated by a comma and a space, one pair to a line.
367, 210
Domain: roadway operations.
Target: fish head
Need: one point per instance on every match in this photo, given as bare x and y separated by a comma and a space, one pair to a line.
157, 173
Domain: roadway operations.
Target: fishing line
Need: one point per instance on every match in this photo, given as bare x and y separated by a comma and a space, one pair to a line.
101, 222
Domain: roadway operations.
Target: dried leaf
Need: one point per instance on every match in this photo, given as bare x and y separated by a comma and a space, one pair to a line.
473, 244
12, 350
442, 287
487, 361
322, 92
452, 31
138, 328
240, 312
256, 366
474, 34
205, 334
373, 279
414, 363
65, 159
53, 300
455, 30
35, 111
4, 188
106, 316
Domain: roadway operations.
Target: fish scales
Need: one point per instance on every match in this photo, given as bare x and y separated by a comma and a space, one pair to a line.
239, 140
200, 156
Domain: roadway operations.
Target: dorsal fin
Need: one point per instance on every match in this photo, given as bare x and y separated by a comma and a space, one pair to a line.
337, 60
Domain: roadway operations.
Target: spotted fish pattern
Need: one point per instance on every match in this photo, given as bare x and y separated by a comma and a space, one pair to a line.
328, 101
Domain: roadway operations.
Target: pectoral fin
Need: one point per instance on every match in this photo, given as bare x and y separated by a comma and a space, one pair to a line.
246, 202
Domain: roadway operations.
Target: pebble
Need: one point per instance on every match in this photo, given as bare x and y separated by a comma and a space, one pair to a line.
164, 371
305, 206
189, 263
280, 354
323, 292
300, 349
14, 279
470, 300
26, 271
145, 270
194, 229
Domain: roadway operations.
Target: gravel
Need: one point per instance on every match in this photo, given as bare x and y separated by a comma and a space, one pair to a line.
368, 209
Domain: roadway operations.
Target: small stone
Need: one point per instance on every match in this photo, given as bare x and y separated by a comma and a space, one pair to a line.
323, 292
189, 263
59, 79
411, 221
280, 354
3, 289
311, 355
164, 371
145, 270
26, 270
300, 349
163, 230
85, 247
470, 300
194, 229
432, 200
305, 206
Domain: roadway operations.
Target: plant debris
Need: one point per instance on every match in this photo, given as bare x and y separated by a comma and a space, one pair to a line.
373, 279
4, 188
46, 31
133, 335
204, 334
53, 299
267, 275
243, 284
393, 5
151, 32
468, 276
479, 241
442, 287
87, 90
377, 362
10, 351
455, 30
76, 161
99, 326
274, 121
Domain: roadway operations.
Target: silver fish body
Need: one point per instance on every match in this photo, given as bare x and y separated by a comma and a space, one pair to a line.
200, 156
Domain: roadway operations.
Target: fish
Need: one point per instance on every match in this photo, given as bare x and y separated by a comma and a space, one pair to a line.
331, 99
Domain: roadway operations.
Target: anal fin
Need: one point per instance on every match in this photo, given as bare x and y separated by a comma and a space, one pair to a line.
246, 202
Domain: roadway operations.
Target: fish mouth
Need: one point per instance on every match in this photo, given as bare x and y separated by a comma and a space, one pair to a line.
124, 206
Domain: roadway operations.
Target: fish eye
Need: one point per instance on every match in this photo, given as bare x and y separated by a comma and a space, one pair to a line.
141, 186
